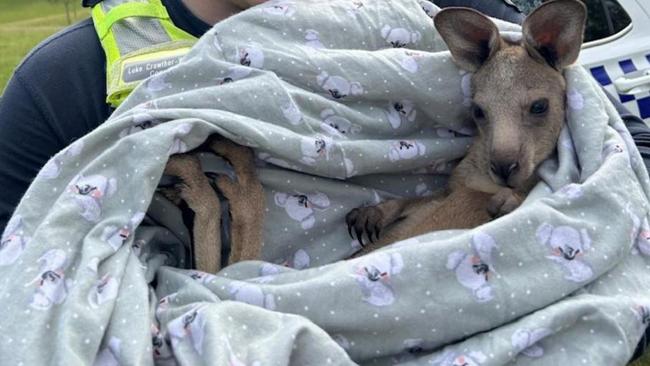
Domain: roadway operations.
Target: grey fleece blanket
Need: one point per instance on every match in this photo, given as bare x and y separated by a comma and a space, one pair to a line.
345, 103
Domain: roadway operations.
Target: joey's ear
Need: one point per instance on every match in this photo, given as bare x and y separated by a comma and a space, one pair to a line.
471, 37
553, 32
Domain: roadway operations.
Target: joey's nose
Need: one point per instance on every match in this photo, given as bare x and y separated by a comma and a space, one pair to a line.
504, 169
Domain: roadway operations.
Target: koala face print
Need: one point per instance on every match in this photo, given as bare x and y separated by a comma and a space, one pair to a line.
412, 349
430, 9
314, 149
566, 243
13, 241
89, 193
628, 143
338, 87
251, 56
165, 303
280, 8
473, 269
202, 277
643, 239
312, 39
335, 125
567, 247
401, 112
406, 150
115, 237
299, 260
526, 341
104, 291
140, 122
51, 286
612, 147
374, 275
234, 73
302, 207
189, 326
162, 353
643, 315
400, 37
251, 294
409, 61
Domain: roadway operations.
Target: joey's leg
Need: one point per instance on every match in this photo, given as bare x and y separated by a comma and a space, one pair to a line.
246, 198
195, 189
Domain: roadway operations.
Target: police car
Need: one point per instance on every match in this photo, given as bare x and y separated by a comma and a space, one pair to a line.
617, 50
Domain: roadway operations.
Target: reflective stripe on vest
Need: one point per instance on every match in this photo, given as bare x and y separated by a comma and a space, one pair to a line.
139, 40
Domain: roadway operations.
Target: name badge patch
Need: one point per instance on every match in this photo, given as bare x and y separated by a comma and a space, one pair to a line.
136, 71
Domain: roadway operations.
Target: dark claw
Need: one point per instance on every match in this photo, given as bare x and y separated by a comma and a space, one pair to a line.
377, 230
368, 232
351, 220
359, 233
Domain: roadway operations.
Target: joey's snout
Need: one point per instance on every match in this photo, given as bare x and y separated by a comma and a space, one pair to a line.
506, 152
503, 170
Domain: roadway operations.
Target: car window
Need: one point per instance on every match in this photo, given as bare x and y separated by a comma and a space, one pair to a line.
605, 18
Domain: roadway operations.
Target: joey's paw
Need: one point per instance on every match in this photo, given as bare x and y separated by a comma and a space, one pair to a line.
365, 220
503, 202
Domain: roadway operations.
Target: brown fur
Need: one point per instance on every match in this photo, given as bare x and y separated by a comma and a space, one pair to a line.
245, 196
510, 81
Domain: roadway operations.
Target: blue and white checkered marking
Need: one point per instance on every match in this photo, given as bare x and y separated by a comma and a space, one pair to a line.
639, 104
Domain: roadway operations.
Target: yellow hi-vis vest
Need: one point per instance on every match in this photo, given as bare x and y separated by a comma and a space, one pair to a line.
139, 40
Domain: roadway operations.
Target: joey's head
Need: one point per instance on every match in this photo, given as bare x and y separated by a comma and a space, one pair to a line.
518, 90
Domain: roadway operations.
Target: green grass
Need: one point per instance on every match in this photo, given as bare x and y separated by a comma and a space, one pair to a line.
24, 24
643, 361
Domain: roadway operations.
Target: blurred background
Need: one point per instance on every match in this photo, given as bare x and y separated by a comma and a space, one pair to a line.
25, 23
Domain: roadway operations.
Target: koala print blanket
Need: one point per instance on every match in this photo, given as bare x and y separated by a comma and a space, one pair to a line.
346, 103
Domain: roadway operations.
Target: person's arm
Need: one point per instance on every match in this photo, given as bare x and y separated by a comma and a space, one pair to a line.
55, 96
27, 141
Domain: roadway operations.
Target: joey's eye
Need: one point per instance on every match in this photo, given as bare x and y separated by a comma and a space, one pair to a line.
539, 107
478, 112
